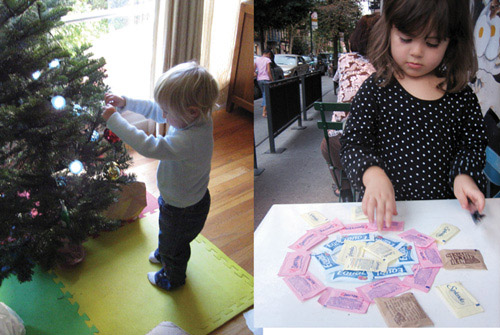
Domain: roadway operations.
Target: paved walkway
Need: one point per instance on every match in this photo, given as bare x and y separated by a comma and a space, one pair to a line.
299, 174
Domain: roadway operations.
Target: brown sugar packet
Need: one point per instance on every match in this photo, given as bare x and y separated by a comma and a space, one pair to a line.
462, 259
403, 311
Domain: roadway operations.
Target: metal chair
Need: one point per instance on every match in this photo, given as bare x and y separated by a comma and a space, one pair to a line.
325, 125
492, 171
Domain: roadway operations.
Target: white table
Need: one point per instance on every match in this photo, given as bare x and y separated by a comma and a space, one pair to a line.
277, 306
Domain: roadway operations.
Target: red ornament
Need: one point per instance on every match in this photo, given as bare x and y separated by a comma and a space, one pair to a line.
110, 136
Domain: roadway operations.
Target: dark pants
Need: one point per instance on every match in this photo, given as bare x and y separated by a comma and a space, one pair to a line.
178, 227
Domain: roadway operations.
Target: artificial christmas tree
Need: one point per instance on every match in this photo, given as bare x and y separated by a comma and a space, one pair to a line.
53, 156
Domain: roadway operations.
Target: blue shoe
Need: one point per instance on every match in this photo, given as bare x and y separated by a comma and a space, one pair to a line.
160, 279
154, 257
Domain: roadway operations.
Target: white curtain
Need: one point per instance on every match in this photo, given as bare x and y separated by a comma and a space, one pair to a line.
220, 23
178, 27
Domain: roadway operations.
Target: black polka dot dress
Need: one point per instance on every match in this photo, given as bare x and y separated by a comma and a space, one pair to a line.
421, 145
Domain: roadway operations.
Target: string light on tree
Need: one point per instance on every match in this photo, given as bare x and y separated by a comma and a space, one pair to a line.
54, 64
76, 167
36, 75
58, 102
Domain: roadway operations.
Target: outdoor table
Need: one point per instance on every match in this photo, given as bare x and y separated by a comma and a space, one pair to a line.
277, 306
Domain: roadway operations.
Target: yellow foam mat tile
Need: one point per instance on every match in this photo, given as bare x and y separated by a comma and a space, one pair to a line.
112, 289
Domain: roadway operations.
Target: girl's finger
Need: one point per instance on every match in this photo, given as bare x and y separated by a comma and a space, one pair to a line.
370, 208
389, 211
364, 206
462, 199
477, 199
480, 204
380, 215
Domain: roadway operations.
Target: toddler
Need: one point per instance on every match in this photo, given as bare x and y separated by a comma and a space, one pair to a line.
184, 98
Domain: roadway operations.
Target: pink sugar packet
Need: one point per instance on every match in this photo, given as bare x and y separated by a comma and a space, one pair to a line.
329, 228
384, 288
422, 278
429, 257
395, 226
356, 228
343, 300
308, 240
295, 264
419, 239
304, 287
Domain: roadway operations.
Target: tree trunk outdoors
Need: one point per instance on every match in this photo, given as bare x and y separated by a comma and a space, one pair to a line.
347, 45
335, 49
262, 42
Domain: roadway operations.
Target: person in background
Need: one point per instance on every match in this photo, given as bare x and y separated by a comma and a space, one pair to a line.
415, 130
353, 68
262, 66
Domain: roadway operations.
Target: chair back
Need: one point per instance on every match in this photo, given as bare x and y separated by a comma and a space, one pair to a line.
323, 107
325, 125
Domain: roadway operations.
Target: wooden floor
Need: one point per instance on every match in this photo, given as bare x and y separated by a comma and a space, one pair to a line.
230, 221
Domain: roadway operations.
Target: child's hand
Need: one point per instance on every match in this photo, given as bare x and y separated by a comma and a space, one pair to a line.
114, 100
108, 111
465, 188
379, 197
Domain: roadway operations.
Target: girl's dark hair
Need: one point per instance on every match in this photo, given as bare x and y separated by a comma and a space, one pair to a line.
449, 19
360, 36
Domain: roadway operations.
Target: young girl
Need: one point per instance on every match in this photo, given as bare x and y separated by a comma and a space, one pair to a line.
415, 130
184, 97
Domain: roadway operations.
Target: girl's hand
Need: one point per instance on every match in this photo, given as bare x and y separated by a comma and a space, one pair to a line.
108, 111
379, 197
465, 188
114, 100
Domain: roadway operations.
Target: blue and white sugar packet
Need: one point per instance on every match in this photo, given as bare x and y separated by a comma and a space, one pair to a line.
326, 260
334, 246
349, 276
393, 271
409, 255
364, 237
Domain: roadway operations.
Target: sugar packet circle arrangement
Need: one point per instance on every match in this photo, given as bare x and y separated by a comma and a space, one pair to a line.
383, 266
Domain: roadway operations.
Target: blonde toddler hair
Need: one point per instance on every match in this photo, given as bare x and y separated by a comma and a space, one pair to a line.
186, 85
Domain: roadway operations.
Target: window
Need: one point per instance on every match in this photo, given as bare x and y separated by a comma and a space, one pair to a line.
122, 32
